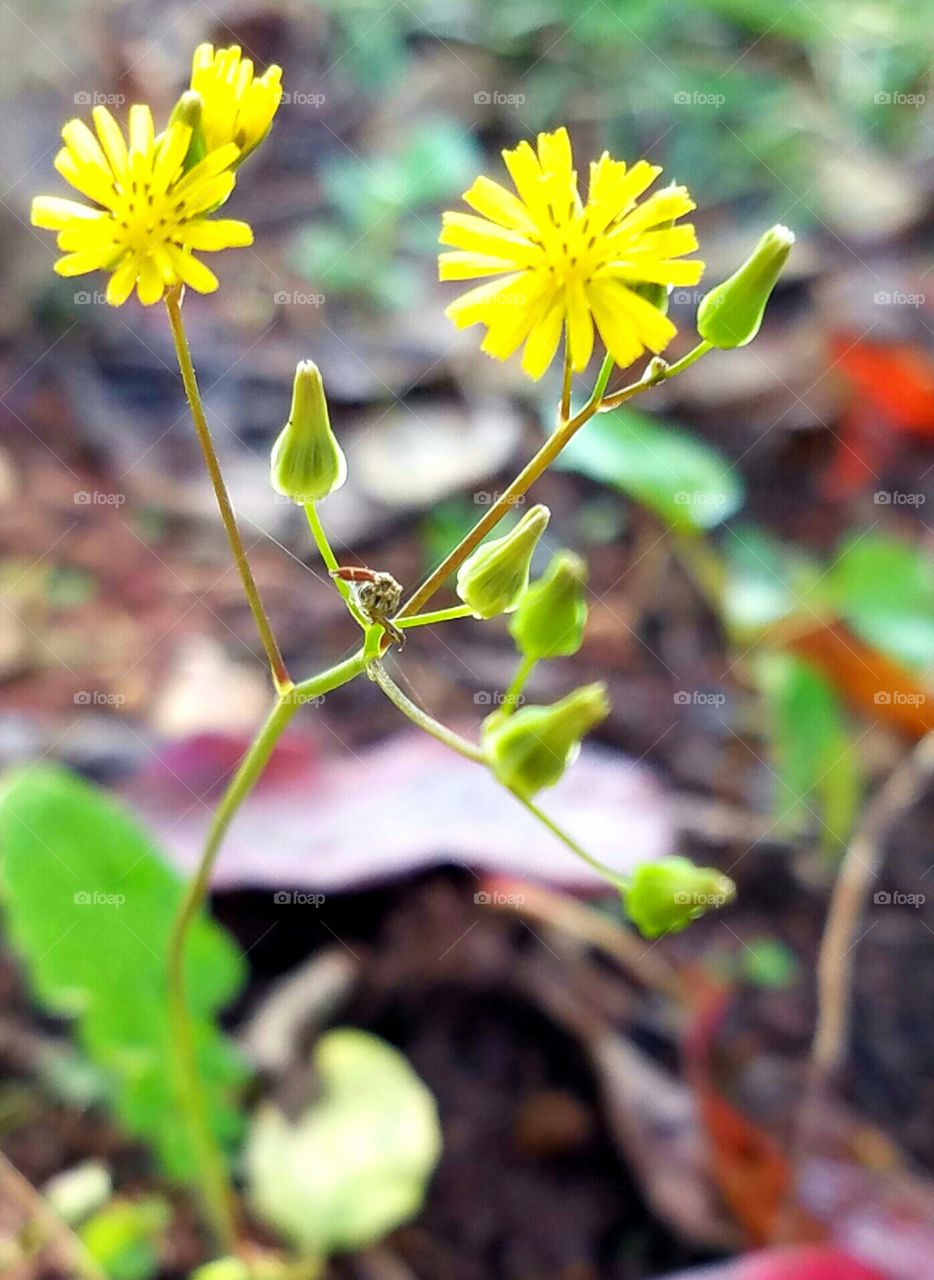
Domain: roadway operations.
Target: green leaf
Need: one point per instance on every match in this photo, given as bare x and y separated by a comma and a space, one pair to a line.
813, 759
884, 588
684, 481
767, 580
357, 1163
124, 1236
89, 903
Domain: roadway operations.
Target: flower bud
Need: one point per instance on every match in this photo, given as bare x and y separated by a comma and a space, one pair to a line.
531, 748
492, 580
664, 897
307, 461
188, 111
730, 315
550, 618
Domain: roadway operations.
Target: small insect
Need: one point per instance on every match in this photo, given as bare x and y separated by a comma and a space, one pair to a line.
377, 596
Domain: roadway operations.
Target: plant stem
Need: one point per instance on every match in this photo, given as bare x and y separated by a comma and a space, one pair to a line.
280, 675
564, 409
330, 561
214, 1180
652, 377
378, 673
620, 882
518, 682
507, 499
439, 615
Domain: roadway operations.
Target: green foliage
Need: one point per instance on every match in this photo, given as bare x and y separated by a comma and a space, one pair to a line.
365, 247
89, 904
813, 759
884, 588
357, 1163
124, 1237
766, 581
682, 480
766, 962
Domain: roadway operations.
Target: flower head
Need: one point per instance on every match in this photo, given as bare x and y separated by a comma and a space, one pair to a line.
307, 461
147, 214
562, 264
237, 106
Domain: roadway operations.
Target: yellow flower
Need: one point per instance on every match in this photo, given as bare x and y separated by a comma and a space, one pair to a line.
147, 215
237, 107
560, 263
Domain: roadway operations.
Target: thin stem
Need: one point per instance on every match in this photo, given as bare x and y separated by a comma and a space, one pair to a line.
277, 667
439, 615
564, 409
326, 552
378, 673
214, 1180
507, 499
518, 682
215, 1185
43, 1221
620, 882
655, 372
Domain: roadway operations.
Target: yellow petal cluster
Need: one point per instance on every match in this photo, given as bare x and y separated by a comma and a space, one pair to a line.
237, 106
147, 215
562, 265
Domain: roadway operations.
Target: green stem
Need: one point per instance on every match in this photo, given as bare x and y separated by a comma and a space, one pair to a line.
439, 615
507, 499
518, 682
326, 552
378, 673
277, 667
213, 1176
686, 361
471, 751
601, 868
656, 371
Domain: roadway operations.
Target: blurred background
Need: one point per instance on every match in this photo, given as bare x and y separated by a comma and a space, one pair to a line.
762, 607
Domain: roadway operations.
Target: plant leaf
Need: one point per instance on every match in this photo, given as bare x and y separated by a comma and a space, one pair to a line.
89, 902
684, 481
357, 1163
884, 588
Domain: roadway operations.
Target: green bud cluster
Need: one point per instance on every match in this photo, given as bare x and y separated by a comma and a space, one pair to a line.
730, 315
531, 748
307, 461
664, 897
493, 579
550, 618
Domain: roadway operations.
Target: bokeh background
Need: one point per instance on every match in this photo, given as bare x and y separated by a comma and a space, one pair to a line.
575, 1088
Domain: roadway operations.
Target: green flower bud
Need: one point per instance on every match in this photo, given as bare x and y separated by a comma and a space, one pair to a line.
730, 315
307, 461
664, 897
550, 618
531, 748
188, 111
492, 580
